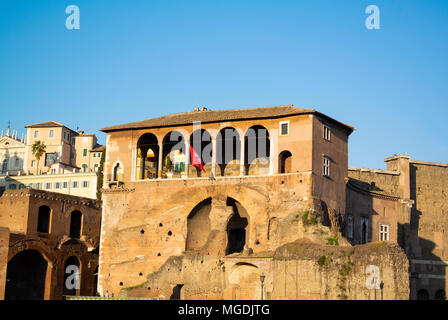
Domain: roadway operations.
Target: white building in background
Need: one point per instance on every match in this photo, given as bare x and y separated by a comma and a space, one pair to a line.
69, 165
12, 153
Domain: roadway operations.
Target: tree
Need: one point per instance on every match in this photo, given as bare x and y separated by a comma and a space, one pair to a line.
38, 149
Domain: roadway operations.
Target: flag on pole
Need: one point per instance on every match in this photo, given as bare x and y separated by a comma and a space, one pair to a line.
195, 159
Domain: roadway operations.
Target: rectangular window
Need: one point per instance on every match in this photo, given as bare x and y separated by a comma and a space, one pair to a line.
284, 128
47, 185
85, 152
65, 135
75, 184
50, 158
95, 167
65, 185
33, 163
57, 185
12, 186
85, 184
350, 227
384, 232
73, 141
327, 133
36, 134
326, 167
84, 168
21, 186
51, 135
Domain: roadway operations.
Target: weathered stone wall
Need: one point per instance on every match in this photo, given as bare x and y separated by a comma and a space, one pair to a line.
146, 222
298, 270
303, 270
4, 244
429, 227
19, 212
384, 180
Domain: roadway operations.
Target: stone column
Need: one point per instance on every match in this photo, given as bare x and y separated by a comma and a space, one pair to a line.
214, 156
242, 156
187, 157
271, 158
160, 162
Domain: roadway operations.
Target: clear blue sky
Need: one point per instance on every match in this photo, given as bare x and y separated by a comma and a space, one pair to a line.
133, 60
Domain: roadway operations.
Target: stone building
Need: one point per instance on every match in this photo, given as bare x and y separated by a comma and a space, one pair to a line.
44, 238
207, 204
406, 203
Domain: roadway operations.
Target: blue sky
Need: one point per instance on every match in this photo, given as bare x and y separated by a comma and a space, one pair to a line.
133, 60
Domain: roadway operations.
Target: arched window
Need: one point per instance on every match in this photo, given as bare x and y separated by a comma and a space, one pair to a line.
284, 165
118, 173
147, 157
75, 224
228, 151
422, 294
201, 142
174, 158
257, 150
72, 277
43, 219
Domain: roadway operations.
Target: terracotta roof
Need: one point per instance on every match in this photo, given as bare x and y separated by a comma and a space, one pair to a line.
207, 116
98, 148
47, 124
368, 189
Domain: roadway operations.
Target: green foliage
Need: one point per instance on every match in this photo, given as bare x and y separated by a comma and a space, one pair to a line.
38, 150
322, 261
333, 241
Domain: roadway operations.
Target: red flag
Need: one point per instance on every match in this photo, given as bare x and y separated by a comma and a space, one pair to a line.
195, 159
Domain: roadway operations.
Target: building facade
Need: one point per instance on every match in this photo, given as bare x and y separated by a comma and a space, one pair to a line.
69, 164
46, 238
199, 205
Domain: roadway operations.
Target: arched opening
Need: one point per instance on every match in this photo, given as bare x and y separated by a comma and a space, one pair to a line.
174, 158
422, 294
118, 173
147, 157
245, 280
72, 278
75, 224
236, 228
440, 295
284, 162
257, 150
198, 225
201, 142
25, 277
43, 219
177, 292
228, 151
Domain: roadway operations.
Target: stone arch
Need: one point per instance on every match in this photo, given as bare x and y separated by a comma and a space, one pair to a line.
72, 276
44, 219
237, 227
228, 151
147, 157
284, 162
26, 276
244, 280
201, 142
198, 225
257, 150
174, 156
76, 219
422, 294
